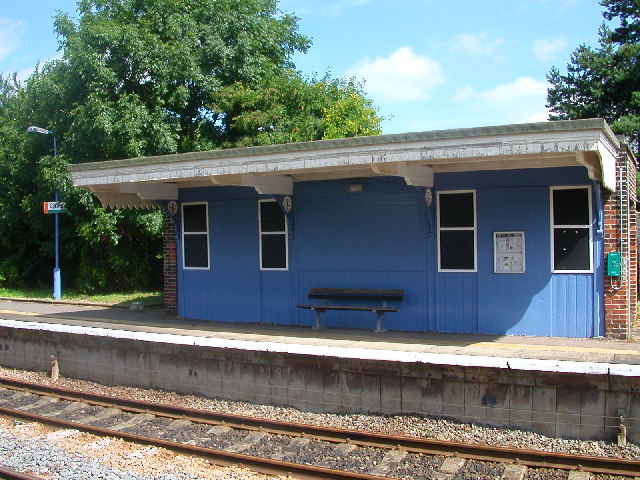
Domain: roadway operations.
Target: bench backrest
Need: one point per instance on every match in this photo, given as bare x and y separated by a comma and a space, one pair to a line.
356, 294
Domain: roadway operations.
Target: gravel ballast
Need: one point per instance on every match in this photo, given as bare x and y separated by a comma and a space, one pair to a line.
41, 457
73, 455
416, 426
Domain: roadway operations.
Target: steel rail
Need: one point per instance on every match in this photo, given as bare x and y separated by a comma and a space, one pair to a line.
530, 458
218, 457
10, 474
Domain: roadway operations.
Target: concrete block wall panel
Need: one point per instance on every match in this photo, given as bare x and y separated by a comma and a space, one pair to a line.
570, 405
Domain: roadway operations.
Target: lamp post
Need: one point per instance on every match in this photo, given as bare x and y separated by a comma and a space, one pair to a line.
57, 277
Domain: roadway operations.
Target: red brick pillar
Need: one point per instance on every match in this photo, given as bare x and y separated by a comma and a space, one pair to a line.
620, 233
170, 249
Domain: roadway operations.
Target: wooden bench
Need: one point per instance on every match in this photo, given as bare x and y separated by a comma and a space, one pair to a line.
360, 295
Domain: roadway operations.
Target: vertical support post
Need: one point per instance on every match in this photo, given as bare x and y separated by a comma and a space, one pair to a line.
317, 326
622, 428
379, 314
55, 368
57, 278
379, 328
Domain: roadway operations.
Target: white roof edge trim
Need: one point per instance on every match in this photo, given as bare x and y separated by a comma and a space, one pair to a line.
608, 153
510, 363
277, 165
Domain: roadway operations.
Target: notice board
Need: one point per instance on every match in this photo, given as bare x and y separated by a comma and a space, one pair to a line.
508, 252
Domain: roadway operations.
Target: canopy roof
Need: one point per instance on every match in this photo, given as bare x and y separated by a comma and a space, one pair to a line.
140, 182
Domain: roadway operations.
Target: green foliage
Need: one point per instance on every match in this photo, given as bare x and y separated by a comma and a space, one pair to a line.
605, 81
143, 74
290, 108
350, 114
114, 243
140, 78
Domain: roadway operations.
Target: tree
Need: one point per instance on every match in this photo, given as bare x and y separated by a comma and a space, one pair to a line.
290, 108
99, 249
149, 77
605, 81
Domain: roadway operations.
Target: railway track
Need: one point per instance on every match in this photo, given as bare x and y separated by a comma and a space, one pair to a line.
275, 447
10, 474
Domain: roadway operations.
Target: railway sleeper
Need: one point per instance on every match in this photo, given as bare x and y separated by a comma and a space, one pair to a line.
386, 463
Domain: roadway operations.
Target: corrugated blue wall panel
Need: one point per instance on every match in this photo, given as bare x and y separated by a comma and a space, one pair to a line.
373, 239
518, 303
457, 300
276, 294
230, 290
536, 302
195, 294
573, 312
385, 237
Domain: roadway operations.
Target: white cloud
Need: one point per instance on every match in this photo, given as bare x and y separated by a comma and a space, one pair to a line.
522, 100
465, 93
547, 49
523, 87
478, 44
10, 31
402, 76
541, 116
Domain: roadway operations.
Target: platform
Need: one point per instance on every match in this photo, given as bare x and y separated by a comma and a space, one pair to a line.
554, 354
557, 386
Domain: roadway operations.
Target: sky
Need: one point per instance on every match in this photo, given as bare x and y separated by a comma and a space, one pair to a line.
426, 64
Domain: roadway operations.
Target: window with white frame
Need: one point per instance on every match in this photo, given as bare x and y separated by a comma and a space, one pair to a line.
457, 231
571, 229
195, 236
273, 236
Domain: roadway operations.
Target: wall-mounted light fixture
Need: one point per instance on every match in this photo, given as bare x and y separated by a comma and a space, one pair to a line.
287, 204
354, 187
428, 196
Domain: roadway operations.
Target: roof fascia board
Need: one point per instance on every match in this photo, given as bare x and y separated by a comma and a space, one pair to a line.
453, 145
608, 153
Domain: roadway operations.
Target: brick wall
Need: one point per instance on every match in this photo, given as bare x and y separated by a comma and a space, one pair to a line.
170, 249
621, 292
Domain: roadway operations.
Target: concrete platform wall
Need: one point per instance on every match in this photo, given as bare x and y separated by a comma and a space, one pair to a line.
555, 404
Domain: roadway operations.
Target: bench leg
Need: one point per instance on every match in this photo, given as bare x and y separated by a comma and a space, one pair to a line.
317, 325
379, 328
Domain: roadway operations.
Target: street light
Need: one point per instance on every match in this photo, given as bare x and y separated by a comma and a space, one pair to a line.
57, 276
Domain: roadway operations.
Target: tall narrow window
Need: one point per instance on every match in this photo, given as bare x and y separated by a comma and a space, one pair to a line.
273, 236
571, 229
195, 236
457, 231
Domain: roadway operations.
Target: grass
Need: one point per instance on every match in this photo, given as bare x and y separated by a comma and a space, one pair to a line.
112, 298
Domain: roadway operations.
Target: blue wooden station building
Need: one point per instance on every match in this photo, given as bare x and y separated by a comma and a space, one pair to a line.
497, 230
